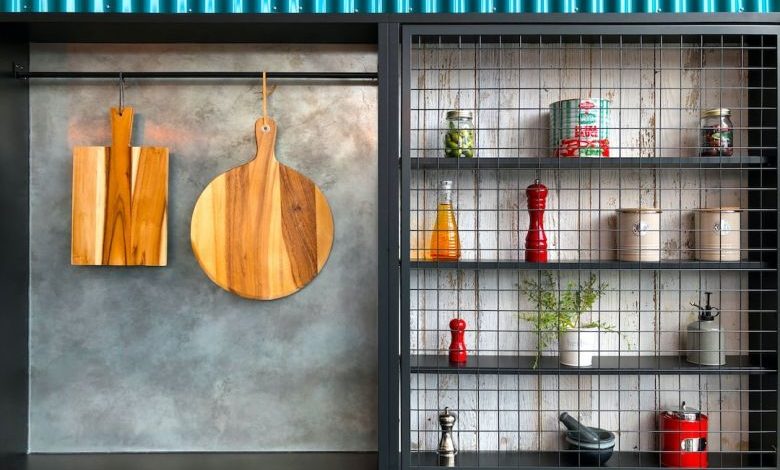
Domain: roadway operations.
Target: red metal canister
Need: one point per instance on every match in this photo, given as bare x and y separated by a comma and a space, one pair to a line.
683, 441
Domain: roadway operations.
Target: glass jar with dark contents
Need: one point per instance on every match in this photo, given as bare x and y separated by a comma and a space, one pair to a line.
717, 134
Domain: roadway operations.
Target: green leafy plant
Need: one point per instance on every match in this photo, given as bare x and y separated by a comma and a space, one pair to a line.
561, 310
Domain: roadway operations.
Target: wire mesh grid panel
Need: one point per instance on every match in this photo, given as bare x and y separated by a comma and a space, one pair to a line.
590, 250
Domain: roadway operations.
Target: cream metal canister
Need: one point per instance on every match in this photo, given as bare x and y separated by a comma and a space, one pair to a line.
717, 234
639, 234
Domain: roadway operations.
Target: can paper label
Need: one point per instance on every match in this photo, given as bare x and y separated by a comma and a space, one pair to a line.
579, 128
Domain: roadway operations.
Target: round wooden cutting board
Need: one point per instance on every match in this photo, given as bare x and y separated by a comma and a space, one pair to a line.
262, 230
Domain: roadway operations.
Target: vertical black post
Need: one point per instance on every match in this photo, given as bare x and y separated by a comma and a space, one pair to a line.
14, 240
405, 115
387, 67
763, 225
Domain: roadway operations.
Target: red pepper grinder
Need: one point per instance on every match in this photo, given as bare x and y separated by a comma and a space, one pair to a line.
536, 240
458, 354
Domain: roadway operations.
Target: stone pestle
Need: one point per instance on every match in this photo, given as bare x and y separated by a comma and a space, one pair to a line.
583, 433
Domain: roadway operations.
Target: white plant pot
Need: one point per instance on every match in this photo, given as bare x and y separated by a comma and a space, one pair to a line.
577, 347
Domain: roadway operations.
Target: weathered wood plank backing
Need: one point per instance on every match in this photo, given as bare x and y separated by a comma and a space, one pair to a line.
657, 94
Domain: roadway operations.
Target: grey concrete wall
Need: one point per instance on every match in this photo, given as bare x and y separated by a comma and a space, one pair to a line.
161, 359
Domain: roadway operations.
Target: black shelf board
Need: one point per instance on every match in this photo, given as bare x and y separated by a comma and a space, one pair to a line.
194, 461
607, 365
567, 459
751, 162
593, 265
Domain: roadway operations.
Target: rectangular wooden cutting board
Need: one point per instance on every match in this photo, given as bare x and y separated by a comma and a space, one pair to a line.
120, 204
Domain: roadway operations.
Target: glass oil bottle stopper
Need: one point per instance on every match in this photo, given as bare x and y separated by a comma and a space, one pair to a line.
445, 243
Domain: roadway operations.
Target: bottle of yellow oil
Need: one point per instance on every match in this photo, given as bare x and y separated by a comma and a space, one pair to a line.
445, 243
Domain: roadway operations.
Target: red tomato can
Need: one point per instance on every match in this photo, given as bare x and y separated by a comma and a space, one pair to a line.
683, 438
580, 128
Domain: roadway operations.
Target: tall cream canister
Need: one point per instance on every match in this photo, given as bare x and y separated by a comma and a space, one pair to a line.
639, 234
717, 234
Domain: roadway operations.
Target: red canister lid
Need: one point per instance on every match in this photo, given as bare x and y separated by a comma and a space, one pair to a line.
685, 413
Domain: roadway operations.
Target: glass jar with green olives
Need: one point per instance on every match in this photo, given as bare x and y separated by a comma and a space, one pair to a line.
459, 135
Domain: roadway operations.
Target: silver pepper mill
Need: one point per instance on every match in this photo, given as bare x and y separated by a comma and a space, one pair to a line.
447, 448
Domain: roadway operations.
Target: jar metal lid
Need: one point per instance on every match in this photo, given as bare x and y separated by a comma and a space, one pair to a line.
460, 114
640, 209
719, 209
714, 112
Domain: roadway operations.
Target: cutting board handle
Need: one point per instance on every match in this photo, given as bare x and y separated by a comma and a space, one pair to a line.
121, 127
116, 248
265, 133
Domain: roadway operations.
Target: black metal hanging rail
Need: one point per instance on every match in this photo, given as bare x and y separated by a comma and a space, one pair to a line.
20, 73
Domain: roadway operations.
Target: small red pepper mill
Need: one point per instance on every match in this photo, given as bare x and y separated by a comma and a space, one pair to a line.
536, 240
458, 353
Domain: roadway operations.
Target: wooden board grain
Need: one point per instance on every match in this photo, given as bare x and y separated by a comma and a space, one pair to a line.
120, 201
262, 230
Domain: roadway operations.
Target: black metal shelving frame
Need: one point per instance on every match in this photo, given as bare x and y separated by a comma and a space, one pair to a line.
760, 267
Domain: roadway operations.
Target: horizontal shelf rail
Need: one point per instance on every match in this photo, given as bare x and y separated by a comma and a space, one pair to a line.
580, 265
605, 365
486, 460
531, 163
